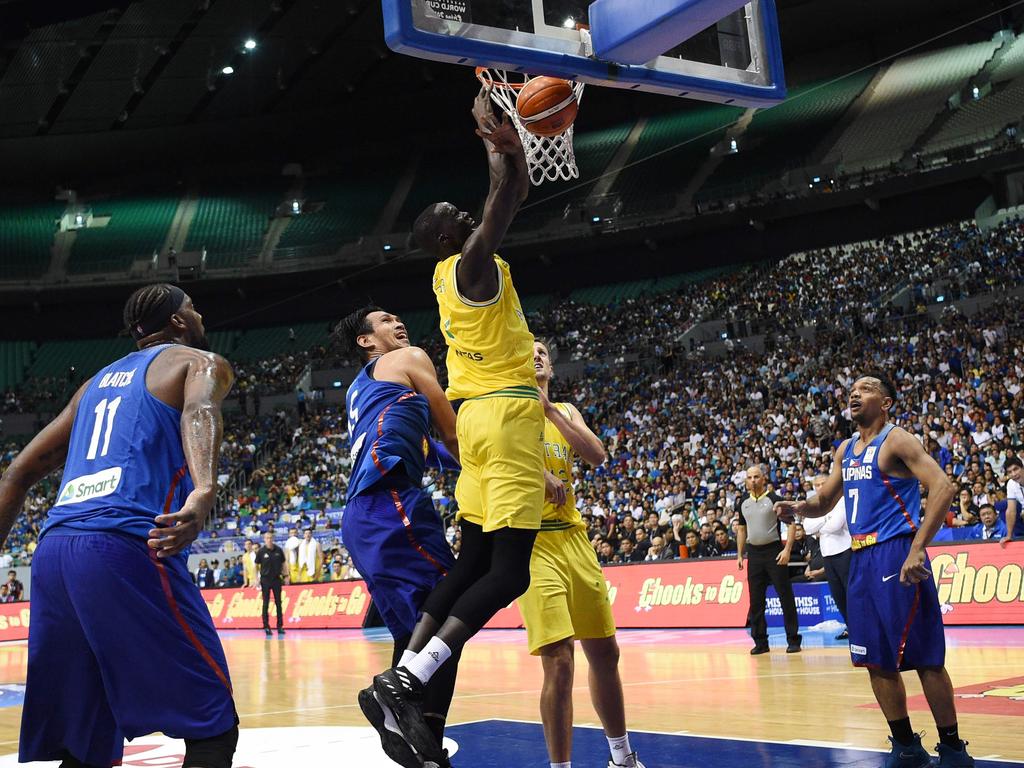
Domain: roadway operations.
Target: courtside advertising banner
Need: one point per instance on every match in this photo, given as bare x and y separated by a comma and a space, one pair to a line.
334, 605
978, 583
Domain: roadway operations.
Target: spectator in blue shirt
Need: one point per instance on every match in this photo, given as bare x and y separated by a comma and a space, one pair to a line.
990, 527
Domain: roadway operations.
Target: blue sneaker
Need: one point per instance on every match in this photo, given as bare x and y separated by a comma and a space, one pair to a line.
954, 758
911, 755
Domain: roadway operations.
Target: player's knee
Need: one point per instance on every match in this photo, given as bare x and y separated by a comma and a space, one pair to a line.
603, 652
558, 662
211, 753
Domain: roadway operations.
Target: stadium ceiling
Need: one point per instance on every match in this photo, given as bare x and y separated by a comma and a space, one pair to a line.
93, 67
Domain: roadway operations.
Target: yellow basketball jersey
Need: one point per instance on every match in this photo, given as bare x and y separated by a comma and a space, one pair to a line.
558, 460
490, 347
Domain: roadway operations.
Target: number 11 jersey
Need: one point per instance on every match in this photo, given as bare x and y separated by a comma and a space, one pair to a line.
125, 463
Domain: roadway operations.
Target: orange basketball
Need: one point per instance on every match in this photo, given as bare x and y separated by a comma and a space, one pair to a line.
546, 106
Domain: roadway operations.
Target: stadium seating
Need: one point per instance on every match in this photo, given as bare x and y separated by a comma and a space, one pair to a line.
685, 138
26, 236
54, 358
436, 182
137, 228
231, 225
14, 358
351, 205
268, 342
981, 119
905, 100
1011, 65
781, 138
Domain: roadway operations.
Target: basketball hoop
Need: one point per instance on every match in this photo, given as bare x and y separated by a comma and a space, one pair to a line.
548, 158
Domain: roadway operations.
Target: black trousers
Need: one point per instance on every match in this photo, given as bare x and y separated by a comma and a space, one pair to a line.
837, 571
276, 589
762, 570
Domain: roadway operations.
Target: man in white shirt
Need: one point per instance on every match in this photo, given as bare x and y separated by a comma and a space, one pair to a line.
835, 541
309, 558
291, 552
1014, 496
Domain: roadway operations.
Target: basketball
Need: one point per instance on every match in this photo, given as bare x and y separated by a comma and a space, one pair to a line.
547, 106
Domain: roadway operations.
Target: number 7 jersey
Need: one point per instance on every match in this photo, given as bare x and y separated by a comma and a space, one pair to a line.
879, 507
125, 463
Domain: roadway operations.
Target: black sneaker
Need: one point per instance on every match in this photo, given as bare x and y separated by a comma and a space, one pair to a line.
793, 648
757, 650
402, 691
280, 630
445, 763
269, 633
392, 742
844, 635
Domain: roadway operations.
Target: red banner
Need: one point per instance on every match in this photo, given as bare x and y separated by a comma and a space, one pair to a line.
334, 605
980, 583
698, 593
13, 621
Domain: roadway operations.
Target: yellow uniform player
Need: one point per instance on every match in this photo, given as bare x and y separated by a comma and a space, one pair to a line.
568, 597
499, 426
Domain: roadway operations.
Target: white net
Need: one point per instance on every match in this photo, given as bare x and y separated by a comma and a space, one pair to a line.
549, 158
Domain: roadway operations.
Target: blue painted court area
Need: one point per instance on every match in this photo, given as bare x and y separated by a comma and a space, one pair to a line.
12, 695
491, 742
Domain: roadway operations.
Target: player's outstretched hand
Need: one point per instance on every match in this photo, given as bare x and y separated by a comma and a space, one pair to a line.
554, 489
500, 135
914, 570
787, 511
181, 528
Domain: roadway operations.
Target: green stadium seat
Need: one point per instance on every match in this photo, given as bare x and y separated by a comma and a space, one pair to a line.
231, 226
26, 237
137, 228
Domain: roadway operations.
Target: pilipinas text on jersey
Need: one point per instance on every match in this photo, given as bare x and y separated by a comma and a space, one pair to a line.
388, 425
878, 507
125, 461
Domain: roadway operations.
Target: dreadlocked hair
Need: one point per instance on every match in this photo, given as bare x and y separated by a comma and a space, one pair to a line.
142, 302
348, 330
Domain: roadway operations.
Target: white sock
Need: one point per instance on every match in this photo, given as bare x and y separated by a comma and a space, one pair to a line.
389, 717
407, 656
562, 765
620, 749
429, 660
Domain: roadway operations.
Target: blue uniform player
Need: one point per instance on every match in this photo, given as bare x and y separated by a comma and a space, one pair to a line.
121, 642
893, 617
390, 527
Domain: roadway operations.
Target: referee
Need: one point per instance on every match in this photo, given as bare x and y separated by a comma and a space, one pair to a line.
760, 528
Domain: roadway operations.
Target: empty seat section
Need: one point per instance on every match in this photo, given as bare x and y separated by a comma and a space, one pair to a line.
454, 174
56, 358
653, 181
904, 102
26, 236
231, 225
137, 228
14, 358
780, 138
981, 119
346, 208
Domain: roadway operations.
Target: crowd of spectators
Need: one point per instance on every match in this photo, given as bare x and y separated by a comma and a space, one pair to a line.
681, 431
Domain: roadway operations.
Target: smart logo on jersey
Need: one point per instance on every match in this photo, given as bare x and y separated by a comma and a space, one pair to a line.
88, 487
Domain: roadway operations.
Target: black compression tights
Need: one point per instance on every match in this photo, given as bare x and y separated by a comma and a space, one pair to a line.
493, 569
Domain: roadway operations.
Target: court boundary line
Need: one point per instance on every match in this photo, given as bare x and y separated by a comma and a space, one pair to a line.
790, 743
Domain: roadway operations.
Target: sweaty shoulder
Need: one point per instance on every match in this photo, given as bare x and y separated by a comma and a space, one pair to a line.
397, 365
165, 377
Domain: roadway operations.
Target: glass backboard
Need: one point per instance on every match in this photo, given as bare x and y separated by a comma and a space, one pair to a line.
737, 61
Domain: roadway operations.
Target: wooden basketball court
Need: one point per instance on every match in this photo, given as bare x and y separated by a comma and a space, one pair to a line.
296, 696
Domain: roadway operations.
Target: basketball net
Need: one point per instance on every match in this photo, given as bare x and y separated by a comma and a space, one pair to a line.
549, 158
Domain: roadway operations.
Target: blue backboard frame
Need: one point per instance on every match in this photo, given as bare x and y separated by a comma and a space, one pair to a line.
513, 52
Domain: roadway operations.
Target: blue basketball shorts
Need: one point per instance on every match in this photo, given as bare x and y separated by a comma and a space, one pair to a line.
892, 626
396, 540
120, 645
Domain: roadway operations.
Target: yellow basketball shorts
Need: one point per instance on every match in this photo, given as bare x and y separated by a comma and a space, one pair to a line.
501, 447
568, 596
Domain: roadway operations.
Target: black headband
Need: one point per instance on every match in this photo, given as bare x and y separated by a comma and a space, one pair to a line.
156, 318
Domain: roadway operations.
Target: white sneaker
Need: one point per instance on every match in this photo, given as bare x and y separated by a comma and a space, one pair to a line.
632, 761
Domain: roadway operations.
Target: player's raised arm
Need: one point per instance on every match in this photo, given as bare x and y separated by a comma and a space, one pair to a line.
826, 498
208, 379
46, 452
940, 495
510, 184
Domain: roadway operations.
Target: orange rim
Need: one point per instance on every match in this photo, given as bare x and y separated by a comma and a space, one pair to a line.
486, 79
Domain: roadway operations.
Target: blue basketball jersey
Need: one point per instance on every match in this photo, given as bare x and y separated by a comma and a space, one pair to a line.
878, 507
388, 425
125, 461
